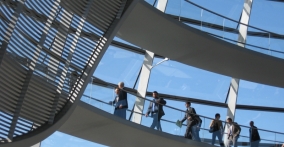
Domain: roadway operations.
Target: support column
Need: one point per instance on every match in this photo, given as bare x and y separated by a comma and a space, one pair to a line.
162, 4
232, 98
145, 75
37, 145
143, 85
233, 92
234, 86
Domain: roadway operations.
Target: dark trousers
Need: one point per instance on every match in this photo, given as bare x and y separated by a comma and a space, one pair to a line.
188, 132
120, 113
254, 143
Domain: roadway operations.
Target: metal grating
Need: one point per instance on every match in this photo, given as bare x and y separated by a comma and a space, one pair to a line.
45, 58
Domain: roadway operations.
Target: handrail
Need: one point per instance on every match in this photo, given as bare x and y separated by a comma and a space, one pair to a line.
109, 85
230, 18
246, 43
132, 111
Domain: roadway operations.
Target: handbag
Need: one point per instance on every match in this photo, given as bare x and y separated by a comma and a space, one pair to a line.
211, 130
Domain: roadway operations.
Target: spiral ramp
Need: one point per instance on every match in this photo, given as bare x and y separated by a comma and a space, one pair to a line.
43, 72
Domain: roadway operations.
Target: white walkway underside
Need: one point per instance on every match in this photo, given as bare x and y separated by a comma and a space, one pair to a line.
95, 125
150, 29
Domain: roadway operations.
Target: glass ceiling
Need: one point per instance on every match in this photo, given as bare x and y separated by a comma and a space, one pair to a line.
175, 78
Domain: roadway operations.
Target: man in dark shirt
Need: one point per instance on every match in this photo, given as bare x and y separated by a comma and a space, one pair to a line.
254, 136
156, 110
192, 129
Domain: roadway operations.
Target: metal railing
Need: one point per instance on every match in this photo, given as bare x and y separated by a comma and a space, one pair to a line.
265, 141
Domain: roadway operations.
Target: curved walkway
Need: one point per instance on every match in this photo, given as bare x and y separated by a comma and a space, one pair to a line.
98, 126
147, 27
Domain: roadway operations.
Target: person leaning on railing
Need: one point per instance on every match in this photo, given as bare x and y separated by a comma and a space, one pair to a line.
120, 101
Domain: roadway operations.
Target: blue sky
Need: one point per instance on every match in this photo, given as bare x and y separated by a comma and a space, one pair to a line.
178, 79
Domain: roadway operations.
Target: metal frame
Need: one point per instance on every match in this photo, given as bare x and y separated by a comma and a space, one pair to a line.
142, 86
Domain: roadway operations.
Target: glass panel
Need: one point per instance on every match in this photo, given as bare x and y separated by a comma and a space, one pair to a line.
276, 46
173, 7
59, 139
119, 65
179, 79
99, 97
255, 94
231, 9
263, 123
151, 2
268, 15
123, 41
279, 139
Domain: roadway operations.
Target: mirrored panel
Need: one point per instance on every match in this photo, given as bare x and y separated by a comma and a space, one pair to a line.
174, 78
59, 139
255, 94
119, 65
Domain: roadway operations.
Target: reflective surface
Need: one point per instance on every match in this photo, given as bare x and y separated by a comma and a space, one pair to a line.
119, 65
179, 79
174, 111
59, 139
222, 19
260, 95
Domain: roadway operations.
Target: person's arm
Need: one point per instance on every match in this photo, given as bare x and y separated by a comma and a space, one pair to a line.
236, 126
221, 126
211, 124
149, 109
184, 118
162, 101
194, 112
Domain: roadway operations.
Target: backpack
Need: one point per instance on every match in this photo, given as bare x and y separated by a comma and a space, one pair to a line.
215, 127
198, 120
236, 125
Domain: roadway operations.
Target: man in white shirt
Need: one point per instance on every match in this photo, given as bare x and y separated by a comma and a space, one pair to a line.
234, 132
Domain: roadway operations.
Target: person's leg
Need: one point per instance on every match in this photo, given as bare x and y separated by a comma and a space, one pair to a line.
257, 143
123, 113
228, 142
218, 134
159, 127
188, 132
194, 133
235, 141
197, 134
252, 144
213, 138
155, 121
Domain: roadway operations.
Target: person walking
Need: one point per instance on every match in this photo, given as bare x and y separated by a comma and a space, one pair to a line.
119, 104
190, 117
156, 110
253, 135
217, 127
234, 132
